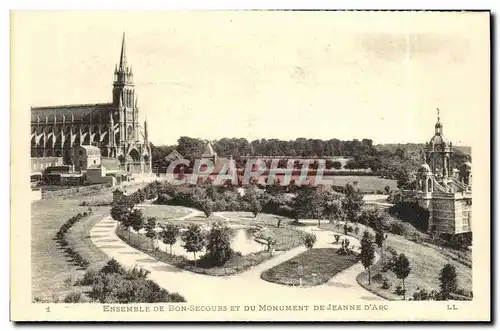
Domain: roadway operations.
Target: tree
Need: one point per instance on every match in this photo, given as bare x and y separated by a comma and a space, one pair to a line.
379, 240
309, 203
136, 220
270, 242
119, 212
255, 206
194, 240
207, 206
448, 280
352, 202
367, 253
253, 201
169, 235
372, 217
401, 267
150, 230
219, 244
332, 206
309, 240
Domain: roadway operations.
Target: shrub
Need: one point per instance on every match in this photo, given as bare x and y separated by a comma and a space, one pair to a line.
422, 295
385, 284
337, 238
112, 267
399, 290
378, 278
309, 240
74, 297
88, 278
397, 228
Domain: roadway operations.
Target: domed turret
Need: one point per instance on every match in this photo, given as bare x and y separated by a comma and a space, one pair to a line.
424, 169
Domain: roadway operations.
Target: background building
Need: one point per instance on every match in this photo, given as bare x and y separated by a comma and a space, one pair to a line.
446, 193
113, 128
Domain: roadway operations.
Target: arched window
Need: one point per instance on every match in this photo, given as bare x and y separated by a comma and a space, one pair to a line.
130, 132
429, 185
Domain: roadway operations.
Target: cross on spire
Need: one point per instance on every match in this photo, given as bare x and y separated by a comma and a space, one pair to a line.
438, 113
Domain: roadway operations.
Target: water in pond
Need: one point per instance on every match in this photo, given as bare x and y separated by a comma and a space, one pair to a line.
241, 241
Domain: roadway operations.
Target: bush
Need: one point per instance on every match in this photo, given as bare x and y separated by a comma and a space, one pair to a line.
399, 290
378, 278
74, 297
385, 284
337, 238
422, 295
309, 240
112, 267
397, 228
88, 278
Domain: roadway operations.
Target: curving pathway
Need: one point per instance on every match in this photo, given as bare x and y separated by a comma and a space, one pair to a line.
244, 287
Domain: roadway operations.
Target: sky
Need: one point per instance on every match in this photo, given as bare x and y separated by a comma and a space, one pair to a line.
256, 74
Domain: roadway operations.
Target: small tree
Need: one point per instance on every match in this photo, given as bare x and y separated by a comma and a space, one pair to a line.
219, 244
136, 220
150, 230
337, 238
270, 243
207, 206
352, 202
448, 280
309, 240
119, 212
255, 206
379, 240
169, 235
401, 267
194, 240
367, 253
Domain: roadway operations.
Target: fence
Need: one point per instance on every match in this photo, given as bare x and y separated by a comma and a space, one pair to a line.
74, 191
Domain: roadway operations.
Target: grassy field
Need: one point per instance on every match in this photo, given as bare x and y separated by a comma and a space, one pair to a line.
165, 213
425, 263
52, 273
323, 262
365, 183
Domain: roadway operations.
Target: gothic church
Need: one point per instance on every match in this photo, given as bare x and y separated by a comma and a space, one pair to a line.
112, 127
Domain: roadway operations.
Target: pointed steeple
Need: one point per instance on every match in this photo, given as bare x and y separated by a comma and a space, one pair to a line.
123, 55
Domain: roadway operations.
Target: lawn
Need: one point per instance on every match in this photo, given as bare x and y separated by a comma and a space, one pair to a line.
323, 262
365, 183
425, 263
165, 213
52, 273
285, 239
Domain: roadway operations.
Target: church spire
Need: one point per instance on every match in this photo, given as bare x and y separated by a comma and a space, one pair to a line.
438, 127
123, 55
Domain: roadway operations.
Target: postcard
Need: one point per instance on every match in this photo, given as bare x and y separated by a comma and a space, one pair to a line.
250, 166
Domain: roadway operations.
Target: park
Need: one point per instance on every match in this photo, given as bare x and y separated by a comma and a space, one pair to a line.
312, 243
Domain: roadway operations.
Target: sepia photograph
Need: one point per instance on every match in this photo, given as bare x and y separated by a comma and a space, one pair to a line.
250, 165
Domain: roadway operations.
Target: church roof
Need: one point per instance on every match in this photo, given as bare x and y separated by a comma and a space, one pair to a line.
208, 151
174, 155
77, 113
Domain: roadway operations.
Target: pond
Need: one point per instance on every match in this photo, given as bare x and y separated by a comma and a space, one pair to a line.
242, 240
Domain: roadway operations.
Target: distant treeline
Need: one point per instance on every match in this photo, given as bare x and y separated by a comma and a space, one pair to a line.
391, 161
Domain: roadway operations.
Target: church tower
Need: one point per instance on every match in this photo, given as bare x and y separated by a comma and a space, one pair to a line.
124, 100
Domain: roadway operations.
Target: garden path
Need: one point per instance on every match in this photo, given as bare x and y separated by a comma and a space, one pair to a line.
246, 287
